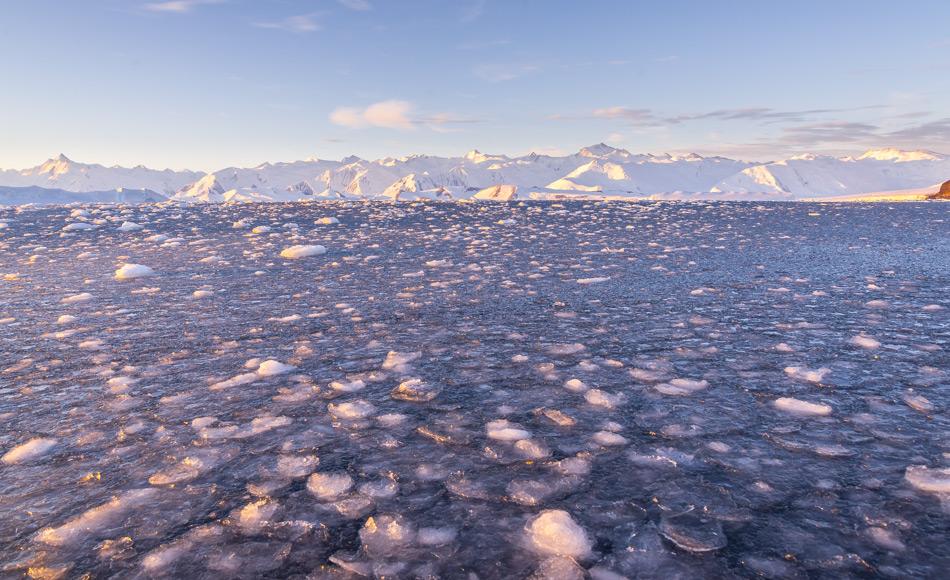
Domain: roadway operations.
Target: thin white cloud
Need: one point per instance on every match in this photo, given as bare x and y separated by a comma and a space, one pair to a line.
498, 73
395, 114
348, 117
472, 12
178, 6
485, 44
299, 23
390, 114
634, 116
446, 122
358, 5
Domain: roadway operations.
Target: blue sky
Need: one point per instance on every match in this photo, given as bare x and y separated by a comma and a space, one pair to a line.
209, 83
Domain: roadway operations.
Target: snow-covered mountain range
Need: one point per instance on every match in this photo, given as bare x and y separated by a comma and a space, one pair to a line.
67, 175
599, 171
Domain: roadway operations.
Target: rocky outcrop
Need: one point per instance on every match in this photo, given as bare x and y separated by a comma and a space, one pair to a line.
944, 192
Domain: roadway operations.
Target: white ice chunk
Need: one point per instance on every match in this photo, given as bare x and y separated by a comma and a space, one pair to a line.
79, 227
270, 368
256, 515
865, 341
607, 439
76, 298
235, 381
386, 534
358, 409
504, 430
187, 469
575, 385
566, 349
32, 449
929, 480
130, 227
597, 280
399, 361
555, 532
600, 398
799, 407
381, 489
806, 374
681, 387
133, 271
93, 521
329, 486
297, 465
348, 386
295, 252
531, 449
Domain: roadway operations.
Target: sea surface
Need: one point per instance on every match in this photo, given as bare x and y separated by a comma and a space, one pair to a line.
478, 391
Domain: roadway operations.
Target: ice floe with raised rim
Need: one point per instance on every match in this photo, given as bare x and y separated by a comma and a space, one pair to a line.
329, 486
931, 480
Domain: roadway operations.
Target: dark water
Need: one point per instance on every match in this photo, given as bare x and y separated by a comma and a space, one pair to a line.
452, 379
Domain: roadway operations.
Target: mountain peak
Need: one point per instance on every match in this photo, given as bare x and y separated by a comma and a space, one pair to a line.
900, 155
477, 156
602, 150
691, 157
56, 166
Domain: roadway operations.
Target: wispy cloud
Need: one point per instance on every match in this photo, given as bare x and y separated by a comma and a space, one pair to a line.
847, 135
644, 117
395, 114
472, 11
178, 6
799, 130
829, 133
485, 44
632, 116
446, 122
358, 5
931, 131
765, 114
501, 72
299, 24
